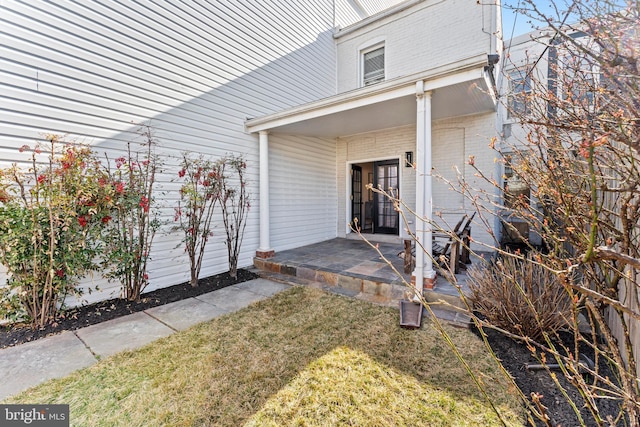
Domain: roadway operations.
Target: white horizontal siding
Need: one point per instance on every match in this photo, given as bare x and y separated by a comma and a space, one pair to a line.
346, 15
348, 12
302, 190
193, 70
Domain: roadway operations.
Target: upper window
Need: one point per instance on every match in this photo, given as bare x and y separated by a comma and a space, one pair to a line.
373, 65
578, 81
519, 93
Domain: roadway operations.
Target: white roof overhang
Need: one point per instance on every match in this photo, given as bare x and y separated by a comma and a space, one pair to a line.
462, 88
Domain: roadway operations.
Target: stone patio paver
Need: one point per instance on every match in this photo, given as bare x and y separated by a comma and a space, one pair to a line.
231, 298
263, 287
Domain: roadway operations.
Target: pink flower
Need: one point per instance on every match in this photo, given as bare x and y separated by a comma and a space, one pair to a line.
106, 219
42, 179
144, 204
120, 161
182, 172
24, 148
120, 187
83, 221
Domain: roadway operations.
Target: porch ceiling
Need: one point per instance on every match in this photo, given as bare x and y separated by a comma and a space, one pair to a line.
381, 115
371, 109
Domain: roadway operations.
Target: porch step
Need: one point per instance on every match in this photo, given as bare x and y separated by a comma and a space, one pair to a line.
445, 305
362, 287
338, 290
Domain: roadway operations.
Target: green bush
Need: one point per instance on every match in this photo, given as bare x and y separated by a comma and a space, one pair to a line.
51, 215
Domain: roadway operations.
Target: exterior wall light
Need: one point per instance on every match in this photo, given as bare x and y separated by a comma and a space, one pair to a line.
408, 156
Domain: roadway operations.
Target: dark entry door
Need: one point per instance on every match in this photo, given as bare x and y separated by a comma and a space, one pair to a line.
356, 195
385, 217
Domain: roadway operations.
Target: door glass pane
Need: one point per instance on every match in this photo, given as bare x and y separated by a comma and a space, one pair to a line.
388, 181
356, 195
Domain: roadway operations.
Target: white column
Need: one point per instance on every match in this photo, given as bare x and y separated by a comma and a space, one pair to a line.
265, 250
424, 211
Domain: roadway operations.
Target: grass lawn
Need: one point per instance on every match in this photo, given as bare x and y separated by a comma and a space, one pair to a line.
303, 358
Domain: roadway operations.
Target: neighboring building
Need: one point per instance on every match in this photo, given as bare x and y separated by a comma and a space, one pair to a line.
524, 63
535, 63
310, 91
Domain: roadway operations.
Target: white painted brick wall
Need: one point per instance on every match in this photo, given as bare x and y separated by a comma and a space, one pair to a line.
454, 140
477, 132
429, 34
368, 147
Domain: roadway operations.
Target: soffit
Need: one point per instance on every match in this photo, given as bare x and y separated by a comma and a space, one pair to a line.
381, 106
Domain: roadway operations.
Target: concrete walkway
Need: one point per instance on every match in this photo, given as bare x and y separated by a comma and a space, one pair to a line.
29, 364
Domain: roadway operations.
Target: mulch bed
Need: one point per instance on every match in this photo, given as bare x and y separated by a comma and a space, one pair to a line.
514, 356
79, 317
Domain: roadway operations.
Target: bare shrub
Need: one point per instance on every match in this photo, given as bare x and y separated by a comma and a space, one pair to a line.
199, 195
235, 202
520, 296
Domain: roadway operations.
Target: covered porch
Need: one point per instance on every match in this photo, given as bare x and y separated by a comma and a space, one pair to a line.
411, 103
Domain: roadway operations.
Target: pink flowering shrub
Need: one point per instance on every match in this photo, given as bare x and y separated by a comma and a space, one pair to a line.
51, 215
199, 194
208, 185
133, 221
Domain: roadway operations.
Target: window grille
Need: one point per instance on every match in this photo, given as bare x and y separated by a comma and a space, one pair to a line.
519, 93
373, 66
